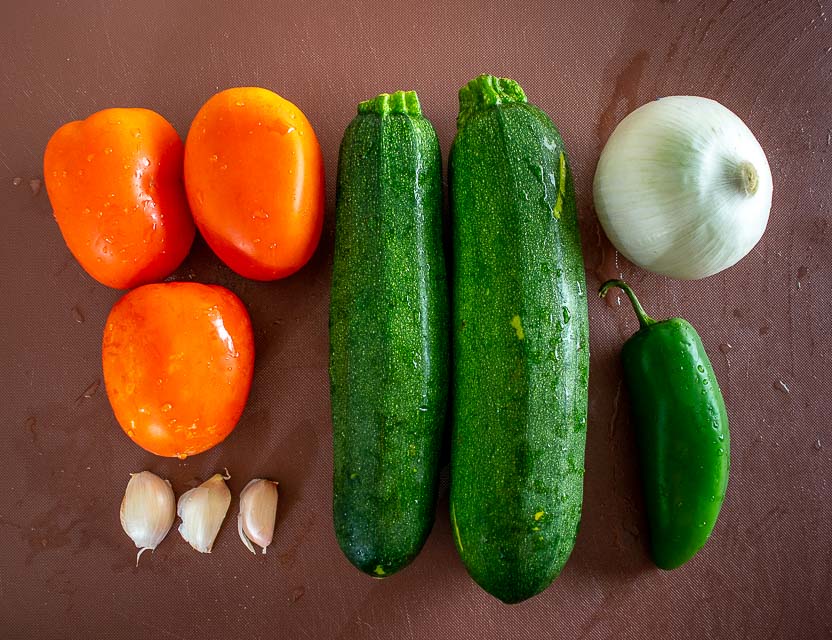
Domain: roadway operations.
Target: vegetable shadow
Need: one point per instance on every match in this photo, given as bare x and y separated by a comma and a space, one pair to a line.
613, 535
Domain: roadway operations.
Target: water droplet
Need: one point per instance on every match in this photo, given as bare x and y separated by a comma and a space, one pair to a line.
108, 150
700, 368
781, 386
423, 408
725, 348
17, 181
273, 245
257, 240
297, 594
77, 315
223, 167
214, 157
260, 214
32, 423
181, 456
818, 445
566, 315
89, 392
34, 186
240, 103
166, 407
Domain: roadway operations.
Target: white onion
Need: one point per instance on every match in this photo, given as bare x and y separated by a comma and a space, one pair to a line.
683, 188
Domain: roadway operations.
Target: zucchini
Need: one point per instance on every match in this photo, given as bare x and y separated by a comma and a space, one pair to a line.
520, 343
388, 334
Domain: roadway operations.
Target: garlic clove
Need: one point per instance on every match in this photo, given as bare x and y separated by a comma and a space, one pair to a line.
242, 535
203, 510
147, 510
258, 510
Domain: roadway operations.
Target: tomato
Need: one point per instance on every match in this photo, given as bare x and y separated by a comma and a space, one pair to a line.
255, 182
178, 358
115, 184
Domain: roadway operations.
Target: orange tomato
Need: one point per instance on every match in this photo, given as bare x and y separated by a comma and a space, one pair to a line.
178, 358
255, 182
115, 184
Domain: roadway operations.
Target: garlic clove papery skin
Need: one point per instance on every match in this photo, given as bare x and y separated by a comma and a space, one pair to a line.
147, 510
683, 188
203, 510
258, 511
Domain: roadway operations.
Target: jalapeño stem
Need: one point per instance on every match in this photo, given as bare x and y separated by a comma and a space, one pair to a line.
643, 319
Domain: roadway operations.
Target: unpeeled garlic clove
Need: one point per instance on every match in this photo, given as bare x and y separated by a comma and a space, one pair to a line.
202, 510
258, 509
147, 510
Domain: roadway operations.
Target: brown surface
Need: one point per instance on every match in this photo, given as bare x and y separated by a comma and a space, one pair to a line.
66, 568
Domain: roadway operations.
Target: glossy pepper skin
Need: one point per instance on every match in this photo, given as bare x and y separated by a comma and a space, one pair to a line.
682, 431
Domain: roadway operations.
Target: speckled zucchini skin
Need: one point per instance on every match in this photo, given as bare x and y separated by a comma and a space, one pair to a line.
388, 334
520, 344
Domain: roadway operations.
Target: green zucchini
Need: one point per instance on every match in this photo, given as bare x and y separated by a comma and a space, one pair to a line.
388, 334
520, 343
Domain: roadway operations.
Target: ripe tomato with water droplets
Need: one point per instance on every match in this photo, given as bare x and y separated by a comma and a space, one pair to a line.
255, 181
178, 359
115, 184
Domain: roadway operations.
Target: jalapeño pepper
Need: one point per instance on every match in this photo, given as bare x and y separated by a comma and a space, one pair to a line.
682, 432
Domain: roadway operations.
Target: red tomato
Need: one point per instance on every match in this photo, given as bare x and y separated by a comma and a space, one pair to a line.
178, 359
115, 184
255, 182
